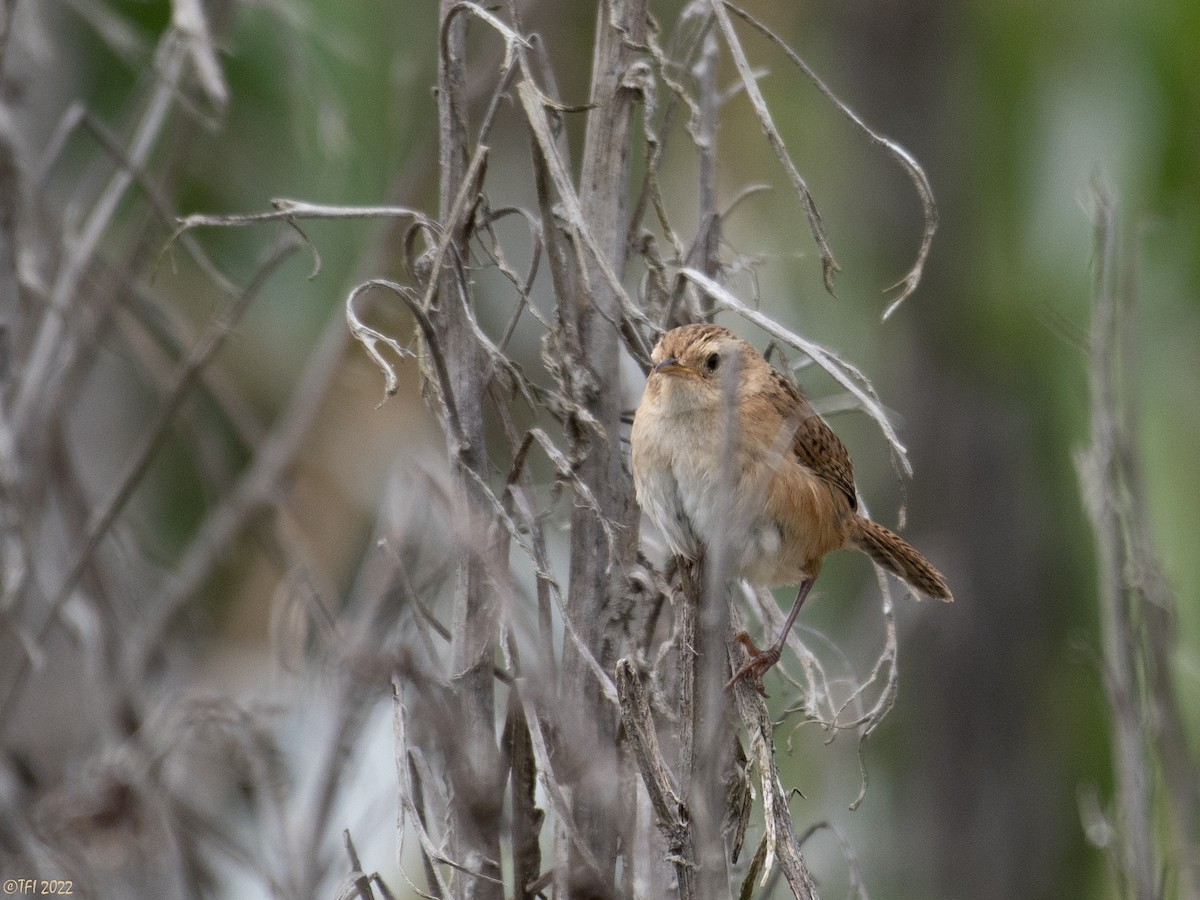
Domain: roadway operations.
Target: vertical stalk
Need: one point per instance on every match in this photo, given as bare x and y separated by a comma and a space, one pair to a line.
710, 222
475, 761
712, 724
706, 729
1102, 483
603, 194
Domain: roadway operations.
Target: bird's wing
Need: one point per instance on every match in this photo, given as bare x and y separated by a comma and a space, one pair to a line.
814, 444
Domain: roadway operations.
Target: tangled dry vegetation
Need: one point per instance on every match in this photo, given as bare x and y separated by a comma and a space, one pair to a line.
559, 728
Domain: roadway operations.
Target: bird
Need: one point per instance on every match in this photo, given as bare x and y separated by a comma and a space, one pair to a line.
726, 449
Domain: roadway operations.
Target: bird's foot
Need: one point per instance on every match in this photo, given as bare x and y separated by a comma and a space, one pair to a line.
757, 665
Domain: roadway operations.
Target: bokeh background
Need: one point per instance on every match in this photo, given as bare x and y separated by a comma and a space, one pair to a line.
998, 749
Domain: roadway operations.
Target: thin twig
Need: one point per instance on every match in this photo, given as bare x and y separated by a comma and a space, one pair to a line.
39, 382
141, 457
908, 283
829, 265
255, 487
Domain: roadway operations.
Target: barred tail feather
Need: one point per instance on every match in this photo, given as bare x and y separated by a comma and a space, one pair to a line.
901, 559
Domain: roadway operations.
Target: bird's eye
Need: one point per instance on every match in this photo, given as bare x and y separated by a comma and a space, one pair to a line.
714, 360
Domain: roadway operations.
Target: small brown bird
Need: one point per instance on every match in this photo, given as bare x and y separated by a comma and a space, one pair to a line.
727, 450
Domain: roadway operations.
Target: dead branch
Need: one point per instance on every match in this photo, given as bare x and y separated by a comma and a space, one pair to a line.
1135, 602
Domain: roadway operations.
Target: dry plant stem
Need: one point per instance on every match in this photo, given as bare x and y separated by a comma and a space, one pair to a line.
706, 729
159, 338
1180, 767
140, 458
526, 817
683, 53
287, 210
1136, 858
188, 19
710, 221
829, 265
307, 862
79, 117
1158, 607
586, 248
516, 499
39, 383
781, 843
556, 794
592, 318
705, 586
257, 487
1136, 605
908, 283
886, 667
411, 782
359, 882
107, 278
672, 816
475, 816
856, 888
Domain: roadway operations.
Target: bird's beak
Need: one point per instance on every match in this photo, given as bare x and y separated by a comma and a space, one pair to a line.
672, 366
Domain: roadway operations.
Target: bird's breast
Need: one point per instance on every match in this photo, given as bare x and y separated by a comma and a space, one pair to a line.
774, 516
668, 480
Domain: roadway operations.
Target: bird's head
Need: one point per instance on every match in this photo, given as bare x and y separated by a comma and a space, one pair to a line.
691, 364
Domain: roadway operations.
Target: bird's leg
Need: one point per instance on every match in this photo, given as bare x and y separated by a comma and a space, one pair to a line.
761, 660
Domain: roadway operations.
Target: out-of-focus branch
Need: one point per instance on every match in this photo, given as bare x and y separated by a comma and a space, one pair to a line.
672, 816
1137, 608
106, 514
43, 368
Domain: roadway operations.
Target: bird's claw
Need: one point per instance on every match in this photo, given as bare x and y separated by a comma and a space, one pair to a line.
756, 666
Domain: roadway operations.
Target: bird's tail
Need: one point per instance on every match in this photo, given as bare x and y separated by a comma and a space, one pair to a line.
899, 557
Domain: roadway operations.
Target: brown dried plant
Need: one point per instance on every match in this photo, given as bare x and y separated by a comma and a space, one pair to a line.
558, 724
